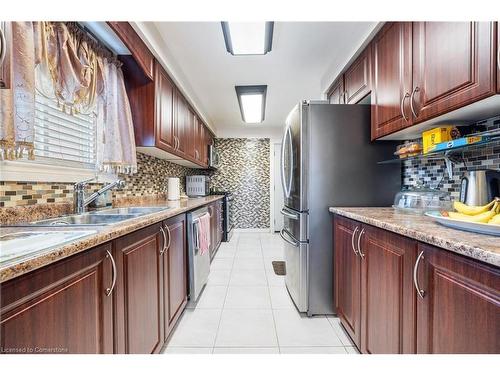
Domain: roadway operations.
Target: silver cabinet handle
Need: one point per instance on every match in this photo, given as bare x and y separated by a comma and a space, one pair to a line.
113, 282
345, 93
196, 154
290, 215
359, 243
290, 241
3, 46
406, 95
420, 292
177, 142
164, 241
352, 240
169, 238
412, 97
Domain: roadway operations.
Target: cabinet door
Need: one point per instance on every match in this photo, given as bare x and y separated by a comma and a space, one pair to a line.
336, 93
191, 133
5, 50
165, 92
460, 308
140, 52
387, 293
174, 271
357, 78
498, 57
201, 142
181, 123
139, 291
453, 65
60, 308
347, 277
392, 83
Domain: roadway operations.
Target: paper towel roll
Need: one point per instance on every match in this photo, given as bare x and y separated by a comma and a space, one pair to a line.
173, 188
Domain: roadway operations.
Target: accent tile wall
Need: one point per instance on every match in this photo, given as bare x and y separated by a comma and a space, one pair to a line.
432, 173
244, 171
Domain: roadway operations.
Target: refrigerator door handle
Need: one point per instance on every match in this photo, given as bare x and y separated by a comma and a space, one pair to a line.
289, 214
288, 238
290, 140
283, 183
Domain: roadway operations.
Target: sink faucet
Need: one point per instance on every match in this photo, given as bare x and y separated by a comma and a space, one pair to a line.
79, 200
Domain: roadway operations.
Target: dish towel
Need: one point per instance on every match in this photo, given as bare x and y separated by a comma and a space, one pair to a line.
204, 233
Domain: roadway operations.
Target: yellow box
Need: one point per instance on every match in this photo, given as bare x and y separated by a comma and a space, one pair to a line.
432, 137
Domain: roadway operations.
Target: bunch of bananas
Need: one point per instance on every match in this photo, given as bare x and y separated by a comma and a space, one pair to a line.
489, 213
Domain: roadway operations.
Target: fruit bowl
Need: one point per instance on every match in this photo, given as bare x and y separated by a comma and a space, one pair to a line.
483, 228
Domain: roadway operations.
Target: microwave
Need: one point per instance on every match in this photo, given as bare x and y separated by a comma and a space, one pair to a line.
197, 186
213, 157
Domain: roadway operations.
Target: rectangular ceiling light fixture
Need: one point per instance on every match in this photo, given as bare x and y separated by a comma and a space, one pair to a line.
248, 38
252, 101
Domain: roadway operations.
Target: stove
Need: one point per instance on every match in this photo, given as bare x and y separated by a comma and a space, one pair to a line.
227, 222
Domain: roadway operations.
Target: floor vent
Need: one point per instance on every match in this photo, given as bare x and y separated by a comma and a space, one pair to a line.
279, 268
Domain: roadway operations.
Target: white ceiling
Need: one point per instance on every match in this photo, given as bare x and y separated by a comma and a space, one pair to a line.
305, 57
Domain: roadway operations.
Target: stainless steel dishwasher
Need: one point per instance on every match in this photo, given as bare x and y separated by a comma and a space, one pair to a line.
199, 265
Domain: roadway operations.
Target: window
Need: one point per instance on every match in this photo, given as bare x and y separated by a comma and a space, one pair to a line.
62, 138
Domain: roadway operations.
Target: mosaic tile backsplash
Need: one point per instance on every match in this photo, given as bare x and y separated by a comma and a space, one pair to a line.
150, 179
433, 174
244, 171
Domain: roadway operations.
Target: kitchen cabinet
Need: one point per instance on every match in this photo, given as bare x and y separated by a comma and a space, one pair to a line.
392, 79
65, 307
459, 309
139, 290
140, 52
357, 78
164, 120
498, 57
175, 271
453, 66
395, 295
165, 109
387, 293
336, 93
5, 54
374, 295
347, 277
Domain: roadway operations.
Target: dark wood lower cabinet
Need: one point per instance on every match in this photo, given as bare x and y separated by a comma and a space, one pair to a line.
460, 308
139, 291
387, 293
175, 273
61, 308
347, 271
377, 301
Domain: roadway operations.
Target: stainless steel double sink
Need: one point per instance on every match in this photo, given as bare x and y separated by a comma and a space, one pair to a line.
97, 218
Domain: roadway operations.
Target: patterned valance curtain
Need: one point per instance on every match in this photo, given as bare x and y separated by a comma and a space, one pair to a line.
63, 63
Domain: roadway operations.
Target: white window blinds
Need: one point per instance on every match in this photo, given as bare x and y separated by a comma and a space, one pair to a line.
63, 138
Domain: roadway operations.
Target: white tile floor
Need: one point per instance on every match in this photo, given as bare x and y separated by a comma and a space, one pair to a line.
245, 308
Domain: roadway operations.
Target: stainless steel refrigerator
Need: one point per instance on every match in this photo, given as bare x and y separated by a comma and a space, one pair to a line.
327, 159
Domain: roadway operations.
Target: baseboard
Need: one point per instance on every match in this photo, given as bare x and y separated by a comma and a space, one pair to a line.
252, 230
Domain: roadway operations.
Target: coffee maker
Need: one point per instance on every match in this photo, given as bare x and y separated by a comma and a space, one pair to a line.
479, 187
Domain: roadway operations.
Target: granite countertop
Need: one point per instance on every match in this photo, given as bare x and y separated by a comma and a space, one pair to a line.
101, 234
422, 228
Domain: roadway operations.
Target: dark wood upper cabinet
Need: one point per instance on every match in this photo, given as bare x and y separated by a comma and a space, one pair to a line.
460, 308
139, 290
336, 93
6, 51
347, 277
453, 66
391, 79
140, 52
62, 307
387, 295
357, 78
498, 57
165, 109
175, 270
